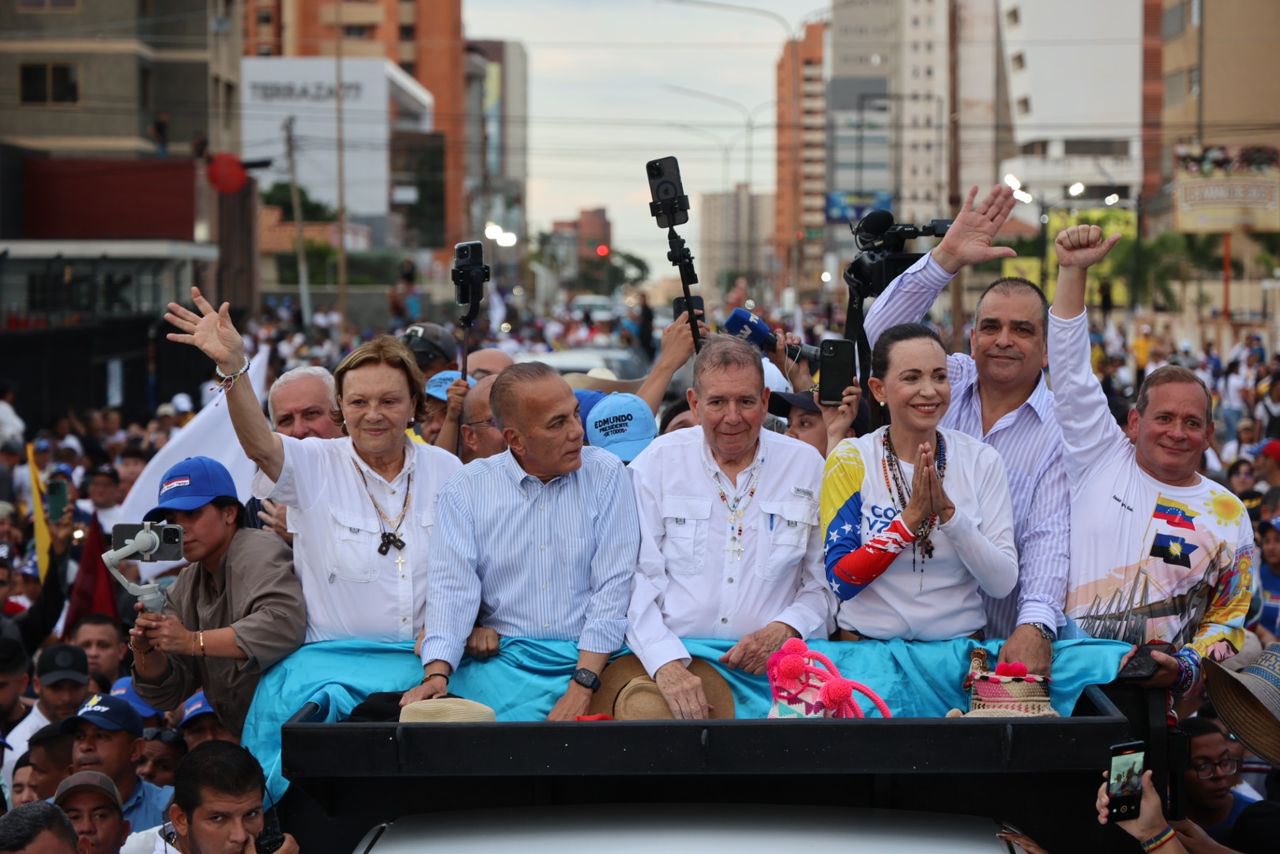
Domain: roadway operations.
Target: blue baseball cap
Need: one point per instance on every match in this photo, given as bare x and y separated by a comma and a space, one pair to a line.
190, 485
438, 385
123, 688
622, 424
105, 712
195, 706
587, 400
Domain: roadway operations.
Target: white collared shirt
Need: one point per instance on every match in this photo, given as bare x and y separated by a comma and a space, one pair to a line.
692, 582
351, 590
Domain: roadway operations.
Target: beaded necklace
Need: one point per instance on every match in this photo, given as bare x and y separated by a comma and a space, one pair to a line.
895, 481
737, 508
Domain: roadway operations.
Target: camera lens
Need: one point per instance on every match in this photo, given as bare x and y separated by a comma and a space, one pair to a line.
655, 169
172, 536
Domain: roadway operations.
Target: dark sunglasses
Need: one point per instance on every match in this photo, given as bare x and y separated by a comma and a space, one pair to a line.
163, 735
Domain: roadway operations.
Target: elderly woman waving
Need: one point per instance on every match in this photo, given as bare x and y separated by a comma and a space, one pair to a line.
917, 519
365, 503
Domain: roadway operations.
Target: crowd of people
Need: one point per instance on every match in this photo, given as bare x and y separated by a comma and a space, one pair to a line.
401, 500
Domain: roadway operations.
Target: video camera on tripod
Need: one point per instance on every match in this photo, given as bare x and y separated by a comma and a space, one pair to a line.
880, 260
881, 257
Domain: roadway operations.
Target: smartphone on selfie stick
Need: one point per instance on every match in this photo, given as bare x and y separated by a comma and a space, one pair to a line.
670, 207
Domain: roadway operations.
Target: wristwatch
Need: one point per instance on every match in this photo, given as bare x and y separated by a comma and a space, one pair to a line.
587, 678
1044, 630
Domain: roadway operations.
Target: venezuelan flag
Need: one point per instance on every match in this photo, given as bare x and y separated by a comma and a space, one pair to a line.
1175, 513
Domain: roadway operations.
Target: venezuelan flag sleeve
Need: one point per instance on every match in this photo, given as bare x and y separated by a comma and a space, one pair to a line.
842, 513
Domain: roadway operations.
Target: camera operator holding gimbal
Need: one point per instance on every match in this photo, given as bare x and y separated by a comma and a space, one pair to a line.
999, 396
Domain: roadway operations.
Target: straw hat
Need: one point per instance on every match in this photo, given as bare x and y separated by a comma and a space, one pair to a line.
440, 710
1249, 701
628, 694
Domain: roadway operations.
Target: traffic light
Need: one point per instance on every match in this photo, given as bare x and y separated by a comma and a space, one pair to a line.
602, 250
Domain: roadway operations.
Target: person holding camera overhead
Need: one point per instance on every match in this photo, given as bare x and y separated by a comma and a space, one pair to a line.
235, 610
366, 502
916, 519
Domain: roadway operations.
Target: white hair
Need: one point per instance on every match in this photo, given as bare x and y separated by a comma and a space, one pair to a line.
293, 376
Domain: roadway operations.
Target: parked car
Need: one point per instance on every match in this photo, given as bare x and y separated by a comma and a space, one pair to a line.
625, 364
601, 307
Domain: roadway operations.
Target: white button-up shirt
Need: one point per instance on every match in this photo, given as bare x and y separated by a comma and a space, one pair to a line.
351, 590
692, 581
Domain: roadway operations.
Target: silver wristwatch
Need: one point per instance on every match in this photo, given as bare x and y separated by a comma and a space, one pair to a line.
1044, 630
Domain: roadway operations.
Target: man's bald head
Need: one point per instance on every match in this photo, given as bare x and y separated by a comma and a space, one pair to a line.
490, 360
480, 436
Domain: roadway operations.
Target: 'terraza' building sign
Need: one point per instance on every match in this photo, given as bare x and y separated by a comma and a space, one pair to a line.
303, 91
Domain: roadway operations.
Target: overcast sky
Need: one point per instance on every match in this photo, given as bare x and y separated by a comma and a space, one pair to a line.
599, 106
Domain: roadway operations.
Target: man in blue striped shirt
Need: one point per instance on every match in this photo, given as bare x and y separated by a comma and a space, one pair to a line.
999, 395
541, 541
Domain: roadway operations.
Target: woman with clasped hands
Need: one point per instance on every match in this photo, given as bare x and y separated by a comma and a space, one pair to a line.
916, 519
362, 506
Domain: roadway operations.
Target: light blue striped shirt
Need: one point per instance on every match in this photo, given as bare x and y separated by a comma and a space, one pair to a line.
550, 561
1030, 443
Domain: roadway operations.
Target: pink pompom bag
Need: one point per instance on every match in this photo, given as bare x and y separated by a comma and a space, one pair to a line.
805, 684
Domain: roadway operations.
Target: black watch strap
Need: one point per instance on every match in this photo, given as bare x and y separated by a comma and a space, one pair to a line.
587, 678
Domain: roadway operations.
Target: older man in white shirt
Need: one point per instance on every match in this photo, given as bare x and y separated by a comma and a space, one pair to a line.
730, 546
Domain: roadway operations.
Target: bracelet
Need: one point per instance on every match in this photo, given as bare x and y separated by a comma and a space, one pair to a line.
226, 381
200, 635
444, 676
225, 377
1162, 838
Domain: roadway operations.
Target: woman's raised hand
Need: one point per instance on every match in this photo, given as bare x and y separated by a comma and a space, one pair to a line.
211, 331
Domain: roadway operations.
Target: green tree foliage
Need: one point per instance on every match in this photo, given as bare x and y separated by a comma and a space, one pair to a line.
312, 211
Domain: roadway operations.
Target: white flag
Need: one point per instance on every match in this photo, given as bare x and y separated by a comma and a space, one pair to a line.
208, 434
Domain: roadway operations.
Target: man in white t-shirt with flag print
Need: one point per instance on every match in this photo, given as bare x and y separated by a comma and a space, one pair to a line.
1158, 552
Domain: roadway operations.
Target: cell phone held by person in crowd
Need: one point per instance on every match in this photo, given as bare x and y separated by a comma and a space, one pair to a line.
665, 186
679, 306
1124, 781
835, 366
56, 499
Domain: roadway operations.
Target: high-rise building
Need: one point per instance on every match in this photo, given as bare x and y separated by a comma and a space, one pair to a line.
735, 233
1074, 122
1217, 59
799, 232
895, 71
861, 57
141, 84
498, 143
423, 36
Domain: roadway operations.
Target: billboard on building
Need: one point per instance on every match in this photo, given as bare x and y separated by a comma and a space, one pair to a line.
1217, 190
843, 207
